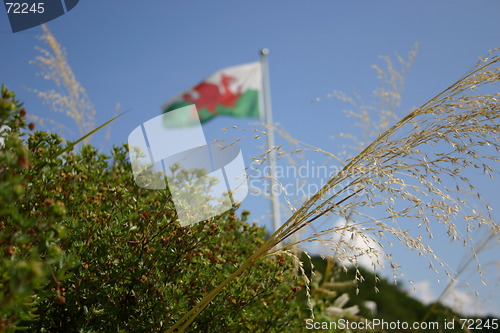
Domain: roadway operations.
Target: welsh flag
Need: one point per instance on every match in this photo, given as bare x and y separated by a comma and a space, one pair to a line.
233, 91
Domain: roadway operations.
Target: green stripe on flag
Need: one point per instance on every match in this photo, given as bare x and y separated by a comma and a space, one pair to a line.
246, 106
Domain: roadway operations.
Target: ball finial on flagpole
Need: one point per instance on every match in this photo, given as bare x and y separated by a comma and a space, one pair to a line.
264, 51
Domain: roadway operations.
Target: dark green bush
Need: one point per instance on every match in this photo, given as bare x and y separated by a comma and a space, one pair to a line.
85, 249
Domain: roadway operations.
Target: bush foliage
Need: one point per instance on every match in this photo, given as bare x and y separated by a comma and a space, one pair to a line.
85, 249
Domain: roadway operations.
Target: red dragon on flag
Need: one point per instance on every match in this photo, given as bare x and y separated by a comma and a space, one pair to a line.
209, 94
232, 91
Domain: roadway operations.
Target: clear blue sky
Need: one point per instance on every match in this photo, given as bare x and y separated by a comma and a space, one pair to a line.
141, 53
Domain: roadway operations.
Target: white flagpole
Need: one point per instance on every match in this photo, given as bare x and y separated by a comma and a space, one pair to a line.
270, 139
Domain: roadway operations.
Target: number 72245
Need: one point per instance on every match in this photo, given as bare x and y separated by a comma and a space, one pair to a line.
24, 8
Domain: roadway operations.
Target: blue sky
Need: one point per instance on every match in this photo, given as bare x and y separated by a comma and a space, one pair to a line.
140, 54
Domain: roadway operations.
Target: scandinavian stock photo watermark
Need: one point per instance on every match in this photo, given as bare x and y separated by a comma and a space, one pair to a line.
204, 180
301, 180
384, 325
27, 14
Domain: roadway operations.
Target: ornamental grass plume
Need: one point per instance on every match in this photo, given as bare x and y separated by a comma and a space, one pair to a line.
405, 170
469, 263
69, 97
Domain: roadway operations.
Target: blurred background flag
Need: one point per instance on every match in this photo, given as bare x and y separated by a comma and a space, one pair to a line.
240, 91
232, 91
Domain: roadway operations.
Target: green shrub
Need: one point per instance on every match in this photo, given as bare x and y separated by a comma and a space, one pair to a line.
85, 249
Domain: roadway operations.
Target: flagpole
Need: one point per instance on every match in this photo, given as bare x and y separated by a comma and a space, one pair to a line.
270, 139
